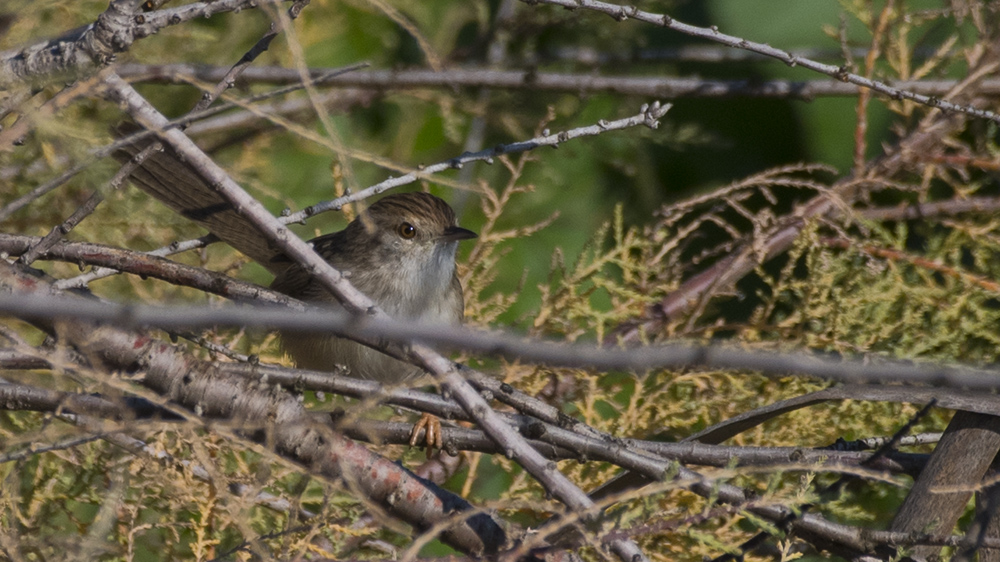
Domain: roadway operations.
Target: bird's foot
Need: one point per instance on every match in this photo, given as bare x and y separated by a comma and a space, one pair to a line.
432, 427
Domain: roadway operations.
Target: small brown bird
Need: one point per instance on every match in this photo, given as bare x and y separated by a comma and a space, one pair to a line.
400, 252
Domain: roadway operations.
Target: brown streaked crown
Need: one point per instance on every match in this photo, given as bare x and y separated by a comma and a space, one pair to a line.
422, 209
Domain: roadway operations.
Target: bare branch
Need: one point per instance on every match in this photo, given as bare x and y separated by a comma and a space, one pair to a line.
555, 443
96, 45
147, 265
622, 13
585, 55
373, 330
649, 116
972, 205
528, 80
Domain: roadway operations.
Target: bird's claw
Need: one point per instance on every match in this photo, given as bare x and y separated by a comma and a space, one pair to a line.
432, 426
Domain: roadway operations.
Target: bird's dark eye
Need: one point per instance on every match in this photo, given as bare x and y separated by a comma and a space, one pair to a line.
406, 230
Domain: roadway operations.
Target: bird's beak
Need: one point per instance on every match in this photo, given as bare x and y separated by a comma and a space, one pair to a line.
453, 233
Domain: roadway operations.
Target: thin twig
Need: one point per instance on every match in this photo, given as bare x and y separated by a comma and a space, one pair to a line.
622, 13
486, 77
980, 281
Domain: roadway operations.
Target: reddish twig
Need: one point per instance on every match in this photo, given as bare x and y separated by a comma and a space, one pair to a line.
919, 261
865, 94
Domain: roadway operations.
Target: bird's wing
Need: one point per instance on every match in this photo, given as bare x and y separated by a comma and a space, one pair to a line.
176, 184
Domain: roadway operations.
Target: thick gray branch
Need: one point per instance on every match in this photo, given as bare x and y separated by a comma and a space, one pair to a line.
379, 331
